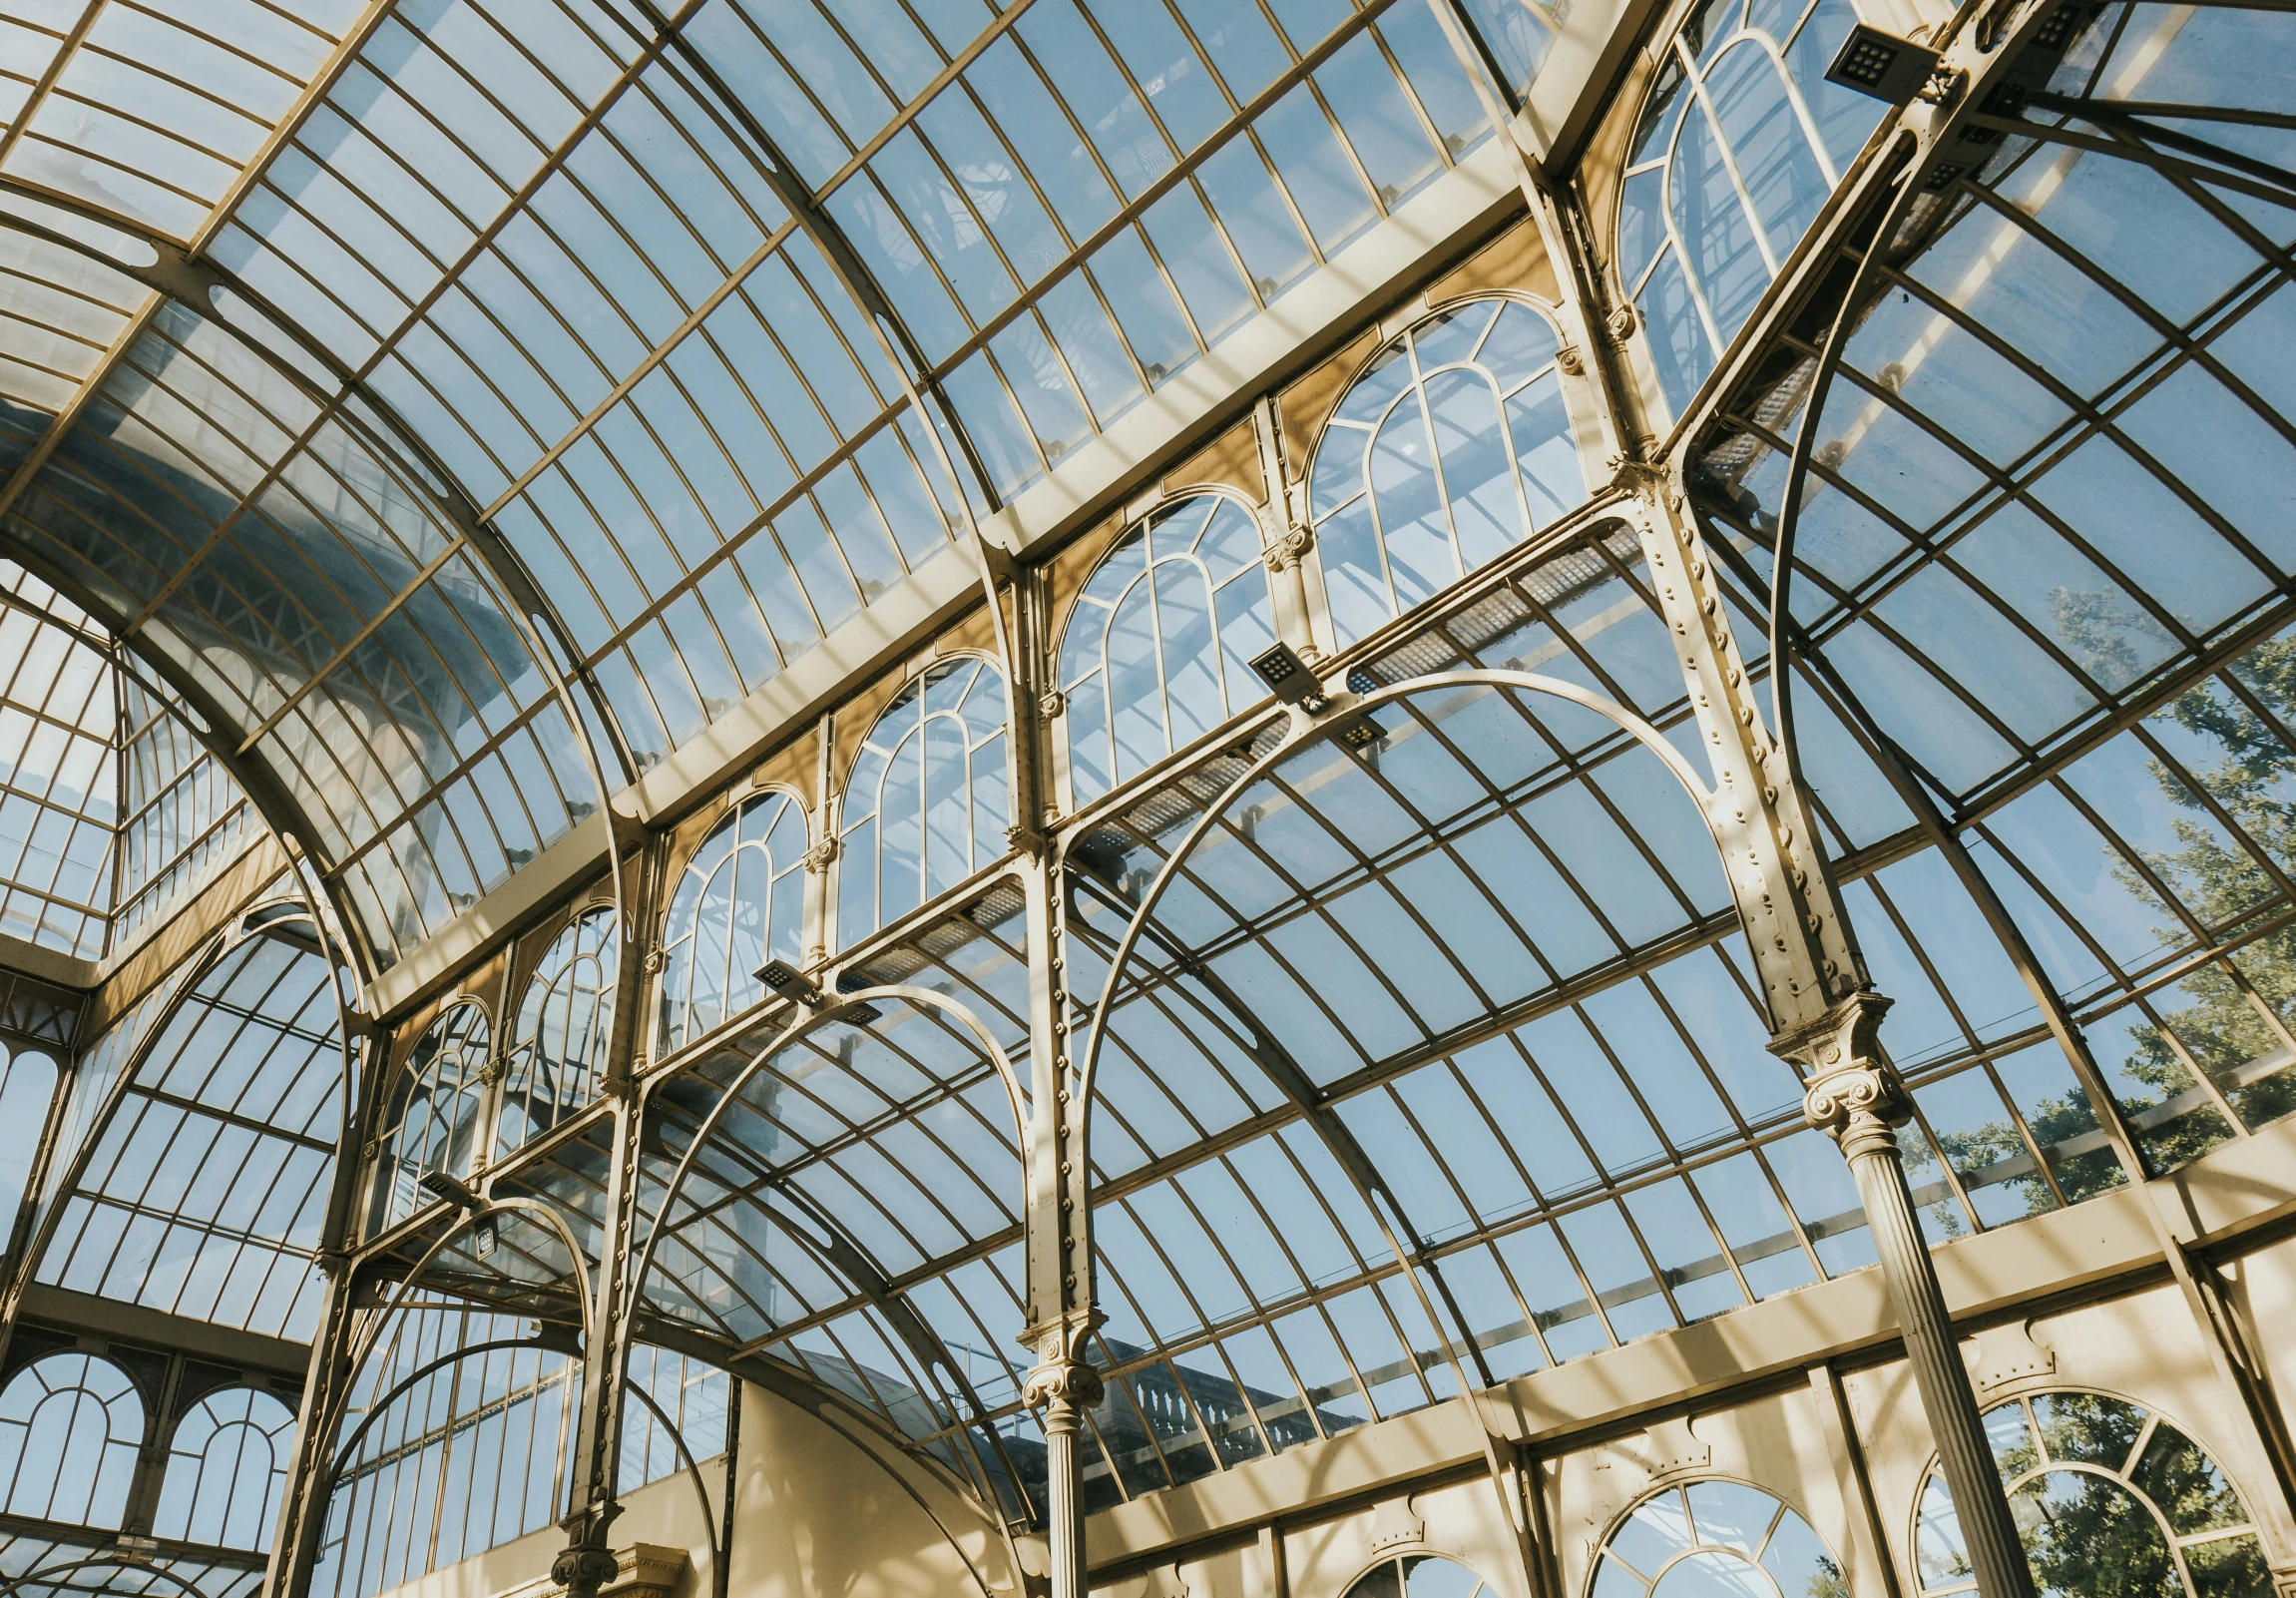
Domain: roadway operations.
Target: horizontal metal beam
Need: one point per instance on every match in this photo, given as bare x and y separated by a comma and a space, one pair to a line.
86, 1315
46, 966
71, 1534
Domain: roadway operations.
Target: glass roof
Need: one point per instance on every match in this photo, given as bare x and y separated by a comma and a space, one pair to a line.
199, 1141
1437, 1062
59, 774
2041, 552
152, 113
580, 294
111, 812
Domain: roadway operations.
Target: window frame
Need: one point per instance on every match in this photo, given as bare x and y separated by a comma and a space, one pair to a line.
736, 807
841, 938
1580, 407
1141, 527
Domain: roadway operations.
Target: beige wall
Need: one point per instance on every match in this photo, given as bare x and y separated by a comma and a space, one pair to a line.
819, 1518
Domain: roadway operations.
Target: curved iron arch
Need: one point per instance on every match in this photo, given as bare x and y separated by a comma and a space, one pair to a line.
282, 812
190, 278
12, 1585
1362, 1171
838, 1009
1302, 732
193, 971
193, 280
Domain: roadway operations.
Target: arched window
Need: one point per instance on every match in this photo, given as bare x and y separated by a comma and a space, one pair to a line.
928, 802
1715, 1539
1421, 1576
434, 1116
1452, 446
741, 903
1741, 142
1159, 649
225, 1469
70, 1426
559, 1054
27, 1086
2108, 1499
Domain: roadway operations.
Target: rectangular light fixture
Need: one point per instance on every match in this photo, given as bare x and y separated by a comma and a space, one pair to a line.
784, 980
439, 1185
1289, 677
853, 979
1882, 64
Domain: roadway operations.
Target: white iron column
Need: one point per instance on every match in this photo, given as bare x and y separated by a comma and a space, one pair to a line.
1854, 1096
1823, 1014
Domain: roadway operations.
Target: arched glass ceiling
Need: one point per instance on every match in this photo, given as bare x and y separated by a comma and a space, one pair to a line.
149, 113
870, 1157
584, 278
199, 1141
59, 772
872, 1144
110, 810
2044, 551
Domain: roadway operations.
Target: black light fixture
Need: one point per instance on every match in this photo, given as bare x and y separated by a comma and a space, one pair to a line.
853, 979
1882, 64
786, 980
556, 1336
1360, 731
441, 1184
1290, 679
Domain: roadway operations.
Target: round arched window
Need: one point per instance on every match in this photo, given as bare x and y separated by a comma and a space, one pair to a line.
27, 1084
741, 903
1421, 1576
2109, 1499
227, 1465
1740, 143
1451, 447
1159, 649
928, 802
1715, 1539
434, 1114
558, 1056
70, 1428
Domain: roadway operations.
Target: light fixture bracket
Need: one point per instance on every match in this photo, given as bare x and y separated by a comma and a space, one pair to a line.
1882, 64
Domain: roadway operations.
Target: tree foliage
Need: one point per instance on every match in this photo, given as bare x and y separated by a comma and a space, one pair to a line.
2226, 879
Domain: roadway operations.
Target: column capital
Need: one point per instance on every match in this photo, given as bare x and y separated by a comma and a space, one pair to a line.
1849, 1091
1064, 1383
1843, 1035
1860, 1106
587, 1562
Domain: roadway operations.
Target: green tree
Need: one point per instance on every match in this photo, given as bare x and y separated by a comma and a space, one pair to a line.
2093, 1535
2252, 780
